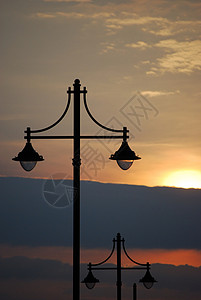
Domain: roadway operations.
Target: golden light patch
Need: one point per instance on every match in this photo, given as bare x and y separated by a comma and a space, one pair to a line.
184, 179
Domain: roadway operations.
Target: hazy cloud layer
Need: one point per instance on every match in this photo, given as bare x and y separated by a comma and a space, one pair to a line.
50, 279
34, 269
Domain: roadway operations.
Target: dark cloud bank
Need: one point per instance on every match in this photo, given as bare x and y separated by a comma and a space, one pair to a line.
147, 217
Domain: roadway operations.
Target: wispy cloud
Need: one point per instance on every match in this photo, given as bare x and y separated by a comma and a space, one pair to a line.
159, 26
128, 19
170, 28
178, 56
175, 56
182, 57
43, 15
159, 93
77, 1
140, 44
108, 47
116, 19
73, 15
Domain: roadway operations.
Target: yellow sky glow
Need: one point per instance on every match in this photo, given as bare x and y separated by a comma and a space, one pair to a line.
184, 179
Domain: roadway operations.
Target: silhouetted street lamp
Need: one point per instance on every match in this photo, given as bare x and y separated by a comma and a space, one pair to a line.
147, 280
28, 159
124, 156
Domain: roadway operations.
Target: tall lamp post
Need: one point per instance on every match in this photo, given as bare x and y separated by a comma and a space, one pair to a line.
147, 280
28, 159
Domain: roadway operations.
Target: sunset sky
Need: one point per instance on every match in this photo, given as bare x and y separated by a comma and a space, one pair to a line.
140, 61
128, 54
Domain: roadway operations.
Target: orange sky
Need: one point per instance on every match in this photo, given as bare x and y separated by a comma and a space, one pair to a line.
176, 257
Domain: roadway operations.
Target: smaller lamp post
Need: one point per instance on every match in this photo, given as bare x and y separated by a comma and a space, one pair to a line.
148, 281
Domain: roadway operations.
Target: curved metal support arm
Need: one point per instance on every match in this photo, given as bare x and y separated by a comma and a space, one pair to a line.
59, 120
99, 124
135, 262
104, 261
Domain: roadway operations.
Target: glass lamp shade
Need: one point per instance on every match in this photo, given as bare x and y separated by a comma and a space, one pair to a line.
124, 164
90, 285
148, 280
90, 281
28, 165
124, 156
28, 157
148, 285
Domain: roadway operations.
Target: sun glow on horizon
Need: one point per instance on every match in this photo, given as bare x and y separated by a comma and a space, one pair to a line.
184, 179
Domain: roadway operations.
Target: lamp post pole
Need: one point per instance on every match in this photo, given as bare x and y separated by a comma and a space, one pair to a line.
76, 194
119, 283
124, 156
134, 291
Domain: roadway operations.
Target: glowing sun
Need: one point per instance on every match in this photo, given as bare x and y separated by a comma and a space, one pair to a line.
184, 179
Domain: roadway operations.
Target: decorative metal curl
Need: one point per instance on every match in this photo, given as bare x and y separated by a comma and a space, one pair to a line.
98, 264
135, 262
95, 121
59, 120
